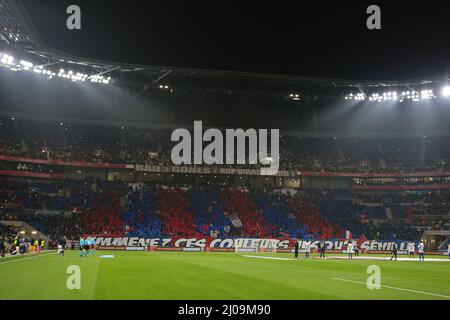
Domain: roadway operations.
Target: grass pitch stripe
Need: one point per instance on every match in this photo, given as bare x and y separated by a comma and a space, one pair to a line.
21, 259
397, 288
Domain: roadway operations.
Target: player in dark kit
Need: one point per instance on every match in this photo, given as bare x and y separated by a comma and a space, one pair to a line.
394, 252
321, 247
296, 249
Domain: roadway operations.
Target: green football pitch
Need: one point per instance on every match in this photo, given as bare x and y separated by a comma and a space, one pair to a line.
211, 276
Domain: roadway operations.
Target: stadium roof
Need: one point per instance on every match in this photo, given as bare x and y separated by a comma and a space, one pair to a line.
17, 32
16, 28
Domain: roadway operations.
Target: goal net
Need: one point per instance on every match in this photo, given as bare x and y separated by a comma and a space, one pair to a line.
255, 245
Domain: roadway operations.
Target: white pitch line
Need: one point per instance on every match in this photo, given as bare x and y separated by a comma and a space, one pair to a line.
21, 259
389, 259
263, 257
396, 288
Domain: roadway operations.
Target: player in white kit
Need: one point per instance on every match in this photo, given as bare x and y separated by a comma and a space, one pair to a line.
411, 250
421, 249
308, 249
350, 250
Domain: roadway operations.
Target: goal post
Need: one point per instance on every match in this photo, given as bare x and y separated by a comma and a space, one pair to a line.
268, 245
242, 245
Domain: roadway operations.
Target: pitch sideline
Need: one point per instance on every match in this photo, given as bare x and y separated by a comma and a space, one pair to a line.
32, 257
396, 288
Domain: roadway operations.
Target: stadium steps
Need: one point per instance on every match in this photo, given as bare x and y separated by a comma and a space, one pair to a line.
443, 245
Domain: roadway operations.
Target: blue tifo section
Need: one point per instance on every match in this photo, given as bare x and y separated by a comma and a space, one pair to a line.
141, 216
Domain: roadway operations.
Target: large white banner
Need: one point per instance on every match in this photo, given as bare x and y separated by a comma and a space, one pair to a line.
208, 242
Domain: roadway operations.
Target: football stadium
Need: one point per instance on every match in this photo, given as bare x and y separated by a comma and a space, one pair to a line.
128, 181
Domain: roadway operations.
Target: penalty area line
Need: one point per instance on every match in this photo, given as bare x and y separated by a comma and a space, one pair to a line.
396, 288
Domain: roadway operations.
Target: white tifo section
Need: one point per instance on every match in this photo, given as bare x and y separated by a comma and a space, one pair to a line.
255, 245
235, 221
397, 288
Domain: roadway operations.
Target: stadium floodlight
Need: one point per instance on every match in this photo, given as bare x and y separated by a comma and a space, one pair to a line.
376, 97
410, 96
99, 79
390, 95
446, 91
360, 97
8, 62
427, 94
294, 96
385, 96
6, 59
357, 97
415, 96
26, 64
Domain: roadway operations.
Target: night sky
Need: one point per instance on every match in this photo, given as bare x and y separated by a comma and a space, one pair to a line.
308, 38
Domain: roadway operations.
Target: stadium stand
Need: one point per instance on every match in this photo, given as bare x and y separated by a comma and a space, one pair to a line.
109, 144
152, 210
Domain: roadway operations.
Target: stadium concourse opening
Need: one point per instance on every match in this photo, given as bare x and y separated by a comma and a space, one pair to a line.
94, 205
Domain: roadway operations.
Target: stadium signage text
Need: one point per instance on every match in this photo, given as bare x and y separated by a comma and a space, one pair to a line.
228, 243
206, 170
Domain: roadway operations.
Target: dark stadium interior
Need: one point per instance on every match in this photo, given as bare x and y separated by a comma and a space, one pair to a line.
308, 38
80, 158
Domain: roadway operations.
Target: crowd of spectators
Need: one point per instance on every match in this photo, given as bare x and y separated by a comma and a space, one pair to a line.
367, 214
151, 210
6, 231
54, 226
123, 144
71, 209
